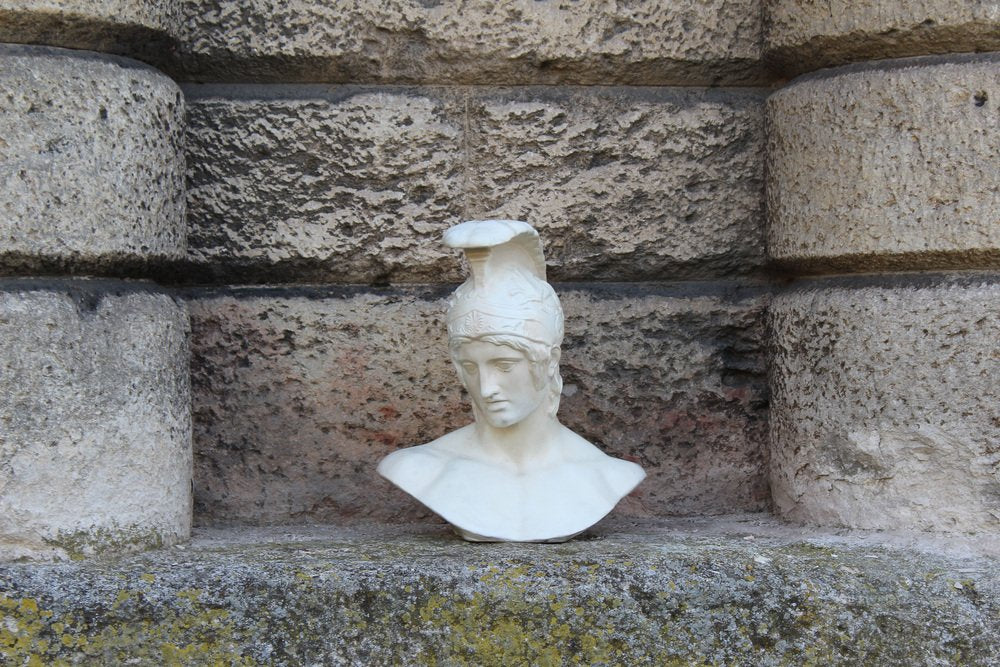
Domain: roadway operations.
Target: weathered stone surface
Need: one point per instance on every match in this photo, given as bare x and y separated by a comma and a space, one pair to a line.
91, 163
315, 183
625, 184
473, 41
138, 28
311, 183
889, 167
803, 36
679, 594
298, 393
95, 447
885, 409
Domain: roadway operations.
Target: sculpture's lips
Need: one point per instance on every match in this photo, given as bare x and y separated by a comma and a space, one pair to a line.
493, 405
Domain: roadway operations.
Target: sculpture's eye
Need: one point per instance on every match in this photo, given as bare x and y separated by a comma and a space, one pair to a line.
469, 367
504, 364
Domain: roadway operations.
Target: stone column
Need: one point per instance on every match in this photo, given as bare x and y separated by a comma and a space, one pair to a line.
885, 378
95, 427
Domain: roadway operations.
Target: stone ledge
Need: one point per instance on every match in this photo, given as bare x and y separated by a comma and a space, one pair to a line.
742, 590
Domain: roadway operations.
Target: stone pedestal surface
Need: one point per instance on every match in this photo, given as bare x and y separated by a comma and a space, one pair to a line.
884, 406
676, 593
95, 444
91, 163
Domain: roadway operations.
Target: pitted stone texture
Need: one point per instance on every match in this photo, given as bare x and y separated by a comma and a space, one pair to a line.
625, 184
474, 41
887, 168
91, 163
312, 183
95, 451
804, 36
298, 393
680, 594
137, 28
886, 405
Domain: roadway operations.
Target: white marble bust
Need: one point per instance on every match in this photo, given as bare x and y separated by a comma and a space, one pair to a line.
516, 474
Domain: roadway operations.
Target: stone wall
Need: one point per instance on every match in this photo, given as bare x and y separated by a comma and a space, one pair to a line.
885, 410
285, 170
647, 189
774, 228
95, 451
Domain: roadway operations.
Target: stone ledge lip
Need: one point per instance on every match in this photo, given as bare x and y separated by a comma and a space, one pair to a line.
894, 64
869, 262
737, 590
84, 55
75, 284
148, 38
901, 280
736, 289
733, 530
801, 36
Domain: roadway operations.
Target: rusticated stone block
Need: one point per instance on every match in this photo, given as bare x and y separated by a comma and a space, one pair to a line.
801, 36
888, 167
313, 183
310, 183
138, 28
299, 392
684, 593
625, 184
885, 409
91, 163
95, 447
476, 41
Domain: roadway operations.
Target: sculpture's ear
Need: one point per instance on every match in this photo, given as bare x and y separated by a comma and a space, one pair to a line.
554, 355
458, 371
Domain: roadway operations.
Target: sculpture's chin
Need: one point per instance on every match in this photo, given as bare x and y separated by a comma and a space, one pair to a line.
473, 537
500, 421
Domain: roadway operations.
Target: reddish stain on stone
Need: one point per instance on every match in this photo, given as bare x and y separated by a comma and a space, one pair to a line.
388, 412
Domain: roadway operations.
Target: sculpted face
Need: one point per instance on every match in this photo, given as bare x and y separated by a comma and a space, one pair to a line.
501, 382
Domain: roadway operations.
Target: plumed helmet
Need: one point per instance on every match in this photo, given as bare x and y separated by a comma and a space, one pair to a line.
506, 293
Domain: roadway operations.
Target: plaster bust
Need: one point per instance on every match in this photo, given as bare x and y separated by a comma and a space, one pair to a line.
516, 473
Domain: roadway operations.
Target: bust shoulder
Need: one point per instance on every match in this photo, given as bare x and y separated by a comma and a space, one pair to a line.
416, 469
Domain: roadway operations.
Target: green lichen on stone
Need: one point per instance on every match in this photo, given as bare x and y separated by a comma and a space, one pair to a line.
187, 633
100, 541
442, 602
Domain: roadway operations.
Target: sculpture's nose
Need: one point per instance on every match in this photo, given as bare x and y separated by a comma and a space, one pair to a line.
488, 385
